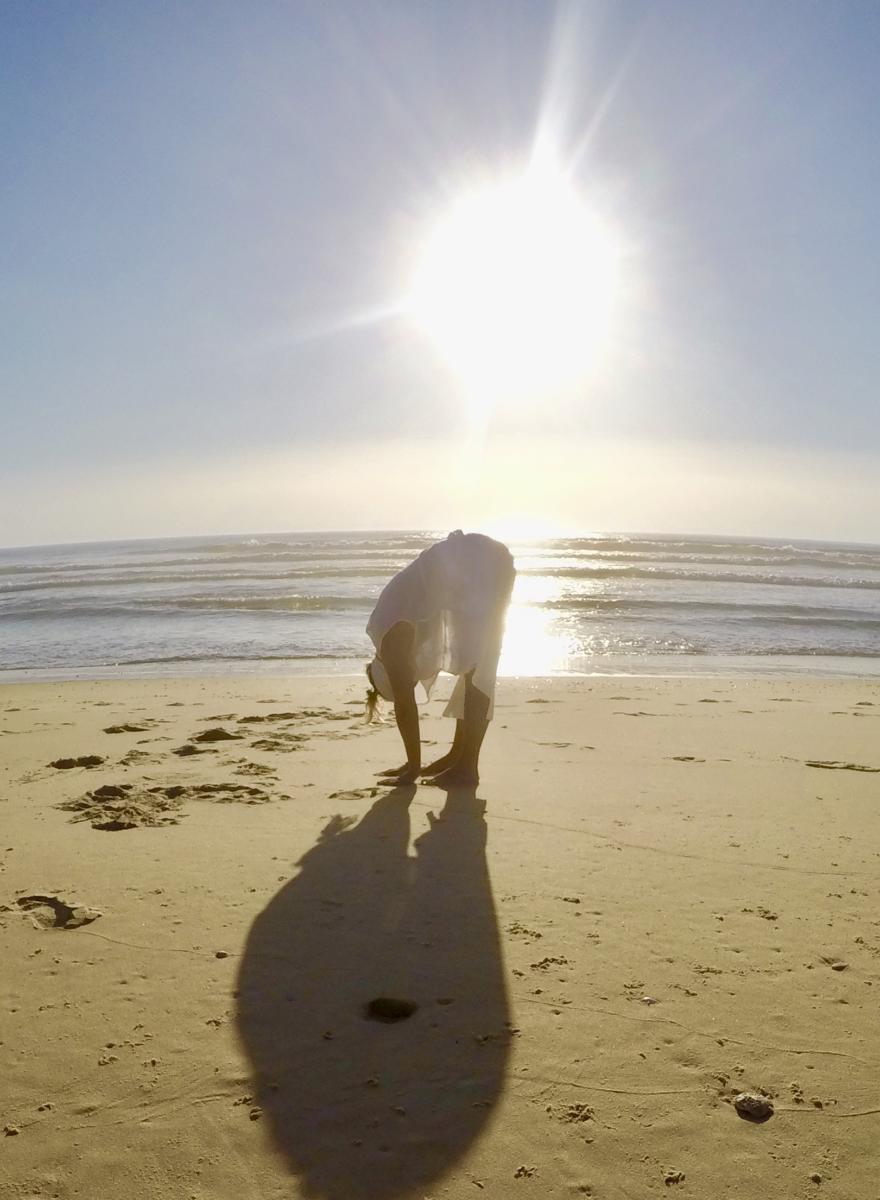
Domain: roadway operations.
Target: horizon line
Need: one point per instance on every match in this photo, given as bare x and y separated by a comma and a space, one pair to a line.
424, 532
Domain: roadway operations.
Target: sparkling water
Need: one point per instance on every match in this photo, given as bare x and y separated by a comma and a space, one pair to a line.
299, 602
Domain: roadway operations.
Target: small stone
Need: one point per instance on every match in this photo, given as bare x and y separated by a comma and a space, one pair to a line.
388, 1008
672, 1177
221, 954
839, 966
816, 1177
752, 1106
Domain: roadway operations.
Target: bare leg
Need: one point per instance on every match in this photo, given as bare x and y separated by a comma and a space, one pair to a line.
451, 757
396, 653
464, 771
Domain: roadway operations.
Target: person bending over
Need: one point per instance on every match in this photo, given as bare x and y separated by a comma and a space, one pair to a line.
443, 612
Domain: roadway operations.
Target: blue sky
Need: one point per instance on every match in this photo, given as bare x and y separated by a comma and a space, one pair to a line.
199, 202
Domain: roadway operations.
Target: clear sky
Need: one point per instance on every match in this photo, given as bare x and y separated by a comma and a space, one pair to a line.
211, 211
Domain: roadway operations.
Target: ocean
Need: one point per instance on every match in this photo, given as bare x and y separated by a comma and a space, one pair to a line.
603, 604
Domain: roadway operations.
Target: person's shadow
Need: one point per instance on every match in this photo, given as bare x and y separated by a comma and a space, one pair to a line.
363, 1109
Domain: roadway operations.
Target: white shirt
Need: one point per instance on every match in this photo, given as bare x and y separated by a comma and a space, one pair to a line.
455, 594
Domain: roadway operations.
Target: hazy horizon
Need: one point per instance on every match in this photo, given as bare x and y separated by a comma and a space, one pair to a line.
722, 536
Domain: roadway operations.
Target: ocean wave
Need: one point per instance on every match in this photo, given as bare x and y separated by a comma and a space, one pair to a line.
153, 607
662, 574
859, 563
133, 579
621, 606
733, 546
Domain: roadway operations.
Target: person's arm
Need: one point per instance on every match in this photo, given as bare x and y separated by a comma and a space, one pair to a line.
397, 647
406, 714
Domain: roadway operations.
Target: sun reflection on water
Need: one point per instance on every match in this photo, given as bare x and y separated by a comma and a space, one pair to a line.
534, 643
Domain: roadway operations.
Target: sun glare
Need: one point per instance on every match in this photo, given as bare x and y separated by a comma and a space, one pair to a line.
517, 286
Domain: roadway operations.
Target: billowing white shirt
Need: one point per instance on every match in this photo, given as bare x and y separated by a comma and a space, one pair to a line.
455, 594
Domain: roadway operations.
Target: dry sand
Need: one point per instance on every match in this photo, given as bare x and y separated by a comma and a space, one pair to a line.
671, 898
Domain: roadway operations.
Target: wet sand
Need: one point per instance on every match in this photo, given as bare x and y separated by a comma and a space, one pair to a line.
663, 894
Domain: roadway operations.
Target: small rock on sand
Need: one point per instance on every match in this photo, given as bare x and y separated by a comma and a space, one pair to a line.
752, 1106
389, 1008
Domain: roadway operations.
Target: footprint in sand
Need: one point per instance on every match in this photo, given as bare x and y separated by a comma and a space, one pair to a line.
355, 794
841, 766
215, 734
572, 1114
226, 793
123, 806
132, 727
138, 756
84, 760
51, 912
281, 742
244, 767
114, 807
273, 716
206, 741
518, 930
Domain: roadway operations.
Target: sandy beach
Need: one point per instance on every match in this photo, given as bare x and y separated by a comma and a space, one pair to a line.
663, 894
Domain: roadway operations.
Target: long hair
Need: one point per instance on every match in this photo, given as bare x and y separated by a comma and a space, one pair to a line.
371, 705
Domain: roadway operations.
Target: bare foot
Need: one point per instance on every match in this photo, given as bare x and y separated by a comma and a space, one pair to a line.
440, 764
392, 770
456, 776
406, 775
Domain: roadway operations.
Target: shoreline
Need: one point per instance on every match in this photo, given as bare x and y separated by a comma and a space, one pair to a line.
819, 666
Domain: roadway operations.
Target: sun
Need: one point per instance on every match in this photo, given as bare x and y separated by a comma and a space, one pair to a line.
517, 285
